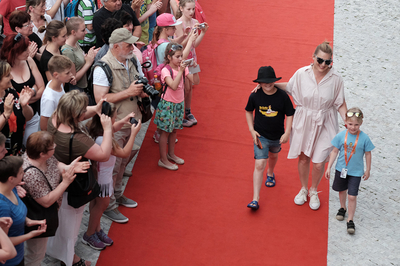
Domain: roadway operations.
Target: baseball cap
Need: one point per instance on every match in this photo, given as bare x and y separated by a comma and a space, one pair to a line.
166, 20
122, 35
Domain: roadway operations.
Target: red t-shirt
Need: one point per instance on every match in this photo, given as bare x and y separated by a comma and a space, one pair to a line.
8, 6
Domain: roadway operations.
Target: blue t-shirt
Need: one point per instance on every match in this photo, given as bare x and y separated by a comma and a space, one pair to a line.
18, 215
355, 166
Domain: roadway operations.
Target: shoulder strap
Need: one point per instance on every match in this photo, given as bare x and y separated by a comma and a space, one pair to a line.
164, 89
32, 166
134, 61
106, 68
70, 146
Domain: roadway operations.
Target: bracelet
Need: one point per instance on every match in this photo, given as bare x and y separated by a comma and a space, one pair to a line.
5, 117
34, 92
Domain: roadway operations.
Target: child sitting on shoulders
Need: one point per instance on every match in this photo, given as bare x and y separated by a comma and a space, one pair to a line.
267, 127
351, 145
60, 68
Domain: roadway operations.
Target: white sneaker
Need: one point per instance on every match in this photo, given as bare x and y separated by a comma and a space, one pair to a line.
314, 200
301, 198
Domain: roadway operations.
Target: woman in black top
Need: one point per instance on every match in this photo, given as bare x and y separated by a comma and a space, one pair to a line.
25, 73
14, 110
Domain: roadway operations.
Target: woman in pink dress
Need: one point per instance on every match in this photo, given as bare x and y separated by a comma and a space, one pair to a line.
318, 93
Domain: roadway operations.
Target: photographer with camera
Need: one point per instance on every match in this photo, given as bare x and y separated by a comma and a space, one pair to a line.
124, 92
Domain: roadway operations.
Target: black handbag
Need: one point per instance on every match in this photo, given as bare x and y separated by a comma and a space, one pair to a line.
84, 188
38, 212
145, 109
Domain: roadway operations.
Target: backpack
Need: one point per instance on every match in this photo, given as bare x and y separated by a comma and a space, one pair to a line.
71, 10
150, 65
107, 70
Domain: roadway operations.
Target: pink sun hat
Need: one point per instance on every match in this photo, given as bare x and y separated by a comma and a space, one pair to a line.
167, 20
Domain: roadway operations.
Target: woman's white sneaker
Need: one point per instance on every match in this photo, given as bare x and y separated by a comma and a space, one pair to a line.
301, 198
314, 200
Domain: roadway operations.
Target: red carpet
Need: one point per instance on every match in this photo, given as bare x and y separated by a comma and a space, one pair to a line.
198, 215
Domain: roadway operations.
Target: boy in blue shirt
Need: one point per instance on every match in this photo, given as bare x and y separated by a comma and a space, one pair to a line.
267, 127
351, 145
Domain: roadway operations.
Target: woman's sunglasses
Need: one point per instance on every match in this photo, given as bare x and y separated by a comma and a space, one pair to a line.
357, 114
320, 61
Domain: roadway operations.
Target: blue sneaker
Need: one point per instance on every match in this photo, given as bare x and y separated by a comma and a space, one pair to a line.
104, 238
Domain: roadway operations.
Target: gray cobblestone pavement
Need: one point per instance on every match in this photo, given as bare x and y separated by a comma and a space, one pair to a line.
366, 53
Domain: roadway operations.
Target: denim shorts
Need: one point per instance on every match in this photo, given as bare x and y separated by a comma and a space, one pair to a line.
352, 183
268, 146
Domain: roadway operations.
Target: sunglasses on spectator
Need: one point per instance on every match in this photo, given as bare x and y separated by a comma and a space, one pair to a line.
320, 61
351, 114
17, 38
175, 47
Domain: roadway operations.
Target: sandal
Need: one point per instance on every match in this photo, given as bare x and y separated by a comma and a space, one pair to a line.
253, 205
270, 179
81, 262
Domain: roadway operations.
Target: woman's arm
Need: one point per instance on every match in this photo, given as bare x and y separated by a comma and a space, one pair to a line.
8, 109
202, 34
54, 9
24, 98
53, 196
288, 129
39, 83
102, 153
343, 110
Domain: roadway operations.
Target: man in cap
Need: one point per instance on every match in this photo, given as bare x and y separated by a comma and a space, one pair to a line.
124, 93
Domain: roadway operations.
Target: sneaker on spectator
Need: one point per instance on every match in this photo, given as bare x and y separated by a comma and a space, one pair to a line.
301, 198
93, 241
187, 123
104, 238
127, 202
116, 216
314, 200
191, 118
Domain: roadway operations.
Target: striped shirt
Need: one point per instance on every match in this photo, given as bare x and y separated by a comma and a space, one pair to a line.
86, 10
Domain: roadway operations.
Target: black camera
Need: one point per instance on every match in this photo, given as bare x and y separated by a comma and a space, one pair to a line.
148, 89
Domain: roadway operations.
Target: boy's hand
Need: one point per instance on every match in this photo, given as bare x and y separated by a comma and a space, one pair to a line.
328, 173
254, 135
366, 175
284, 138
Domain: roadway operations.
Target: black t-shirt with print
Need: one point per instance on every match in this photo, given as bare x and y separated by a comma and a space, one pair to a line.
270, 111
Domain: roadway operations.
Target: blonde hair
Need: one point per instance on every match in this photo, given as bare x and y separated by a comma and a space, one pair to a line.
5, 69
182, 4
73, 24
324, 47
355, 110
70, 107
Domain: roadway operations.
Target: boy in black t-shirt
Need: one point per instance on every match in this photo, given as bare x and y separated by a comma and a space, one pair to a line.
267, 128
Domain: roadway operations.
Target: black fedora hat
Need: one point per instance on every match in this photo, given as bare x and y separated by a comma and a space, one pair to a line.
266, 74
